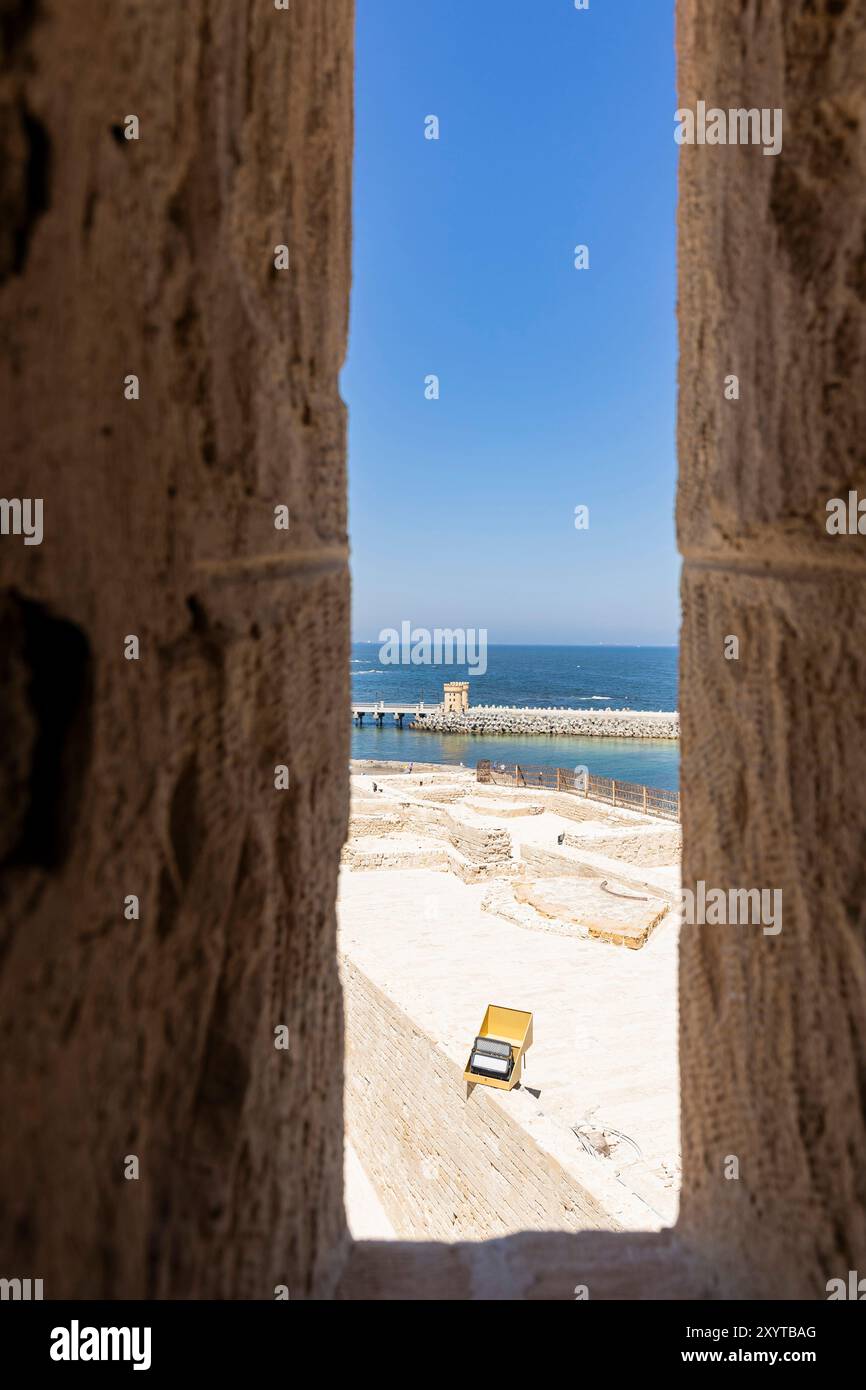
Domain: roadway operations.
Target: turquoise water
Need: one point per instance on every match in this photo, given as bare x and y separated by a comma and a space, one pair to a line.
581, 678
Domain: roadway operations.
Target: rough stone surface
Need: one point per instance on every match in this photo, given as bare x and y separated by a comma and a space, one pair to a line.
773, 288
156, 777
533, 1266
606, 914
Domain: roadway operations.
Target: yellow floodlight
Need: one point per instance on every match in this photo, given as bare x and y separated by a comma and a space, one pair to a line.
496, 1058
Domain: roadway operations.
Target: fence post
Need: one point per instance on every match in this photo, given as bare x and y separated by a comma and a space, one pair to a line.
559, 779
613, 791
644, 800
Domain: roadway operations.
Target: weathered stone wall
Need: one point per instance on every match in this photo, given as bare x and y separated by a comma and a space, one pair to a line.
481, 843
773, 289
649, 846
155, 777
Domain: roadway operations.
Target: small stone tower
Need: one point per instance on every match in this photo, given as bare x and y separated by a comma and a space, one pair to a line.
456, 697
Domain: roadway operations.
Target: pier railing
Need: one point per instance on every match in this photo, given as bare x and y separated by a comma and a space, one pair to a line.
633, 796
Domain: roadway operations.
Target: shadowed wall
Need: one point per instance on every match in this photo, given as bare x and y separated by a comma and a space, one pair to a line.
772, 279
155, 777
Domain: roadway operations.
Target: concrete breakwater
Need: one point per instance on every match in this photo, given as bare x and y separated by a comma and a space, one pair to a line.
602, 723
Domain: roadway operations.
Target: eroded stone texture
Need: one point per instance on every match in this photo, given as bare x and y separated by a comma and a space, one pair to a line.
772, 283
548, 1266
773, 1027
156, 777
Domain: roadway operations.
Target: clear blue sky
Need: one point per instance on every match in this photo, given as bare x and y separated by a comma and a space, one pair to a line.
557, 385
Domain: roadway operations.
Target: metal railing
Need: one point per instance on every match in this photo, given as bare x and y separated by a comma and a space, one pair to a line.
633, 796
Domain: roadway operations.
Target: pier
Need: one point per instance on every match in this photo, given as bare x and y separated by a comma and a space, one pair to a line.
454, 715
377, 709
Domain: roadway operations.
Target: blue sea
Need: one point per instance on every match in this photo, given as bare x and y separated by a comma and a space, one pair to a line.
581, 678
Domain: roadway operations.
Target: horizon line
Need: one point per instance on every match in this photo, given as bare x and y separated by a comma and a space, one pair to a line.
649, 646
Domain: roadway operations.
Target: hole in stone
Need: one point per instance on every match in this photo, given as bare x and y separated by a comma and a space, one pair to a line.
51, 699
30, 199
185, 821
